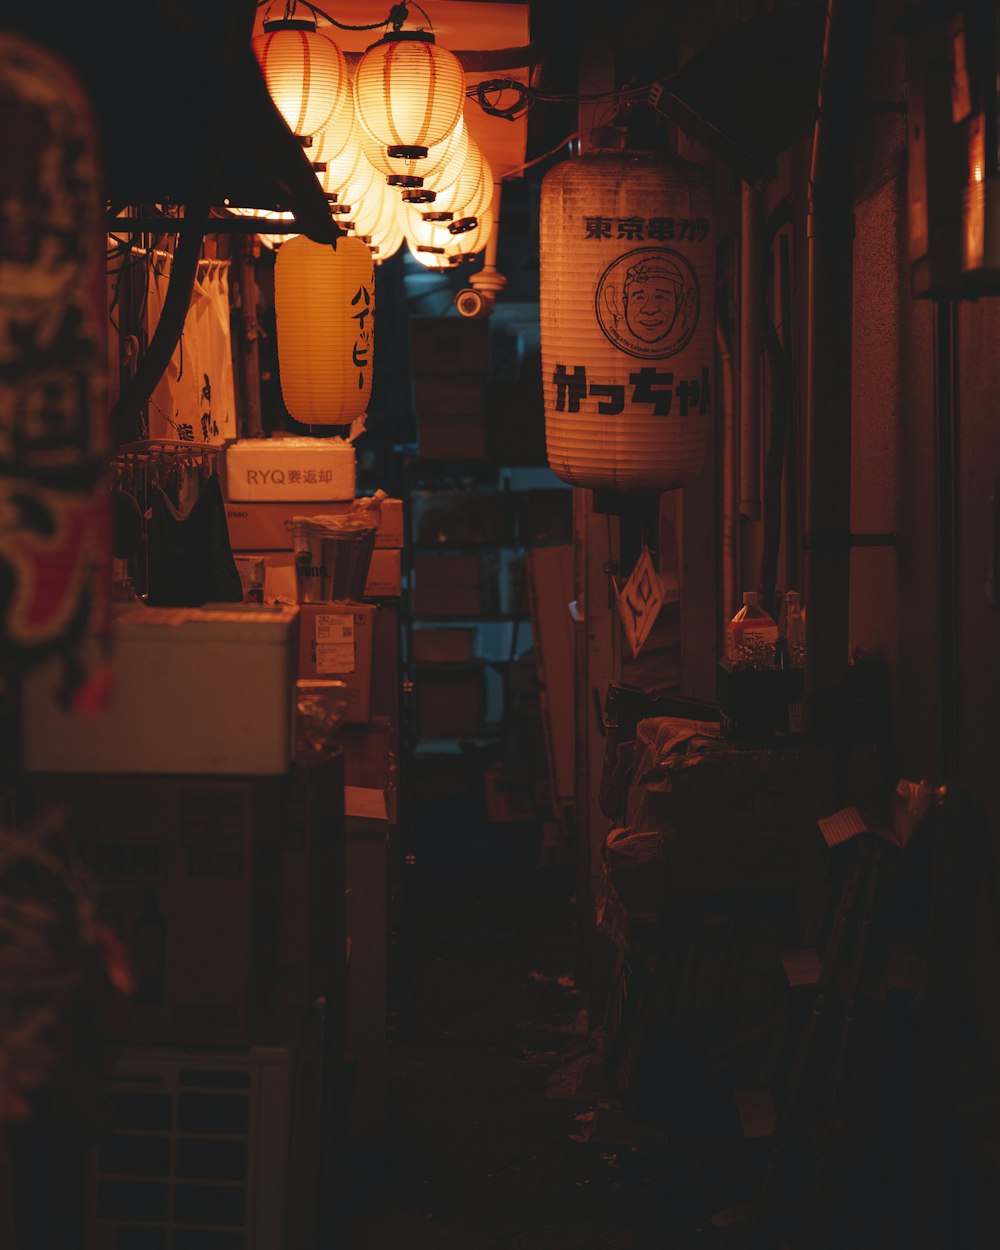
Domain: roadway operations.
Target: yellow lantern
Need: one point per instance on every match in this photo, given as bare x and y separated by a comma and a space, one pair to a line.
306, 75
627, 310
409, 92
324, 304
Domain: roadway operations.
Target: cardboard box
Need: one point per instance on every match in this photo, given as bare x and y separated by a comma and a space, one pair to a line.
196, 690
385, 574
187, 874
384, 580
451, 424
290, 468
451, 702
447, 585
261, 526
335, 640
442, 646
452, 346
312, 928
369, 763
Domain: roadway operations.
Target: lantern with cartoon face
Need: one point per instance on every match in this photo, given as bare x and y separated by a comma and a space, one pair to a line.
627, 319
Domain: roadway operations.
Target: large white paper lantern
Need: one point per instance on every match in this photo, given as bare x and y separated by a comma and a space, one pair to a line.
324, 304
306, 75
409, 92
627, 310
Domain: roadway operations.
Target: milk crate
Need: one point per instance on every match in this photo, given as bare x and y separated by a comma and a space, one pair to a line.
213, 1149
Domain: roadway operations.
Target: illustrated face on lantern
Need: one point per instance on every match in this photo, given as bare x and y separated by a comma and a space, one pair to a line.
647, 302
651, 296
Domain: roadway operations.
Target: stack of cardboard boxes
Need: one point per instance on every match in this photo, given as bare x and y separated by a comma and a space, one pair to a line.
352, 642
219, 859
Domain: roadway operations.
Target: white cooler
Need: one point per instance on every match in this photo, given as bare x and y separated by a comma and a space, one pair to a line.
196, 690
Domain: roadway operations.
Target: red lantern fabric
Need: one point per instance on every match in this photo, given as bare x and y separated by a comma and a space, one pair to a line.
55, 546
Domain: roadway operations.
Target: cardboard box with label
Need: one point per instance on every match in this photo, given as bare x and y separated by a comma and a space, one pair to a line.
335, 640
263, 526
289, 467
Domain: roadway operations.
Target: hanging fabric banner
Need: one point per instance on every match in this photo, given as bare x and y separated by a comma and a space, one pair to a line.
195, 400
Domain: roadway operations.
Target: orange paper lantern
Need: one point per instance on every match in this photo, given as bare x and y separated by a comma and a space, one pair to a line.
324, 303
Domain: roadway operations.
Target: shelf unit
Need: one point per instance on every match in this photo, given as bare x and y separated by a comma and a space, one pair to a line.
466, 618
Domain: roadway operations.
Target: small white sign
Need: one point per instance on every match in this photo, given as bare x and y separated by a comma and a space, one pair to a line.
335, 643
640, 601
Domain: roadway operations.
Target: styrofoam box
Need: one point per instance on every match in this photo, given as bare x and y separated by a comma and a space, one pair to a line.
289, 468
195, 690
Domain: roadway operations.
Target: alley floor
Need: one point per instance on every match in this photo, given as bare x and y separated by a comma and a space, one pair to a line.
504, 1132
506, 1129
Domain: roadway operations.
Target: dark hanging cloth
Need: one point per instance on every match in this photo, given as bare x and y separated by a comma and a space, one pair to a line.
190, 557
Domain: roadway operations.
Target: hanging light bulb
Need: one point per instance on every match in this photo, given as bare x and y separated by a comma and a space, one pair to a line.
306, 75
409, 92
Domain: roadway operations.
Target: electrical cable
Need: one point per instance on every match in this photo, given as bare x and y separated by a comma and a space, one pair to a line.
513, 173
292, 5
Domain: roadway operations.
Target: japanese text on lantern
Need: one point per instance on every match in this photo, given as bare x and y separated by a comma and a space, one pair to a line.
638, 229
648, 386
362, 343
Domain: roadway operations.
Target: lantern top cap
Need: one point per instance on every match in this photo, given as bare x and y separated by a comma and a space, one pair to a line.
272, 24
412, 36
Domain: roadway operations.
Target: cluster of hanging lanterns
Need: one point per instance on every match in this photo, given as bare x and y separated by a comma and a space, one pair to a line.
395, 159
389, 142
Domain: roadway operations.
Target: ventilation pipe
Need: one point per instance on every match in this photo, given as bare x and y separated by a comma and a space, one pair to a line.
478, 298
730, 484
751, 293
828, 398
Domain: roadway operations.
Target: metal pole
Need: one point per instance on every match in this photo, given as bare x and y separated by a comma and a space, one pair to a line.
828, 415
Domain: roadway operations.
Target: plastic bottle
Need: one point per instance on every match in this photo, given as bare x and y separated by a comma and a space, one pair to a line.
795, 628
751, 634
